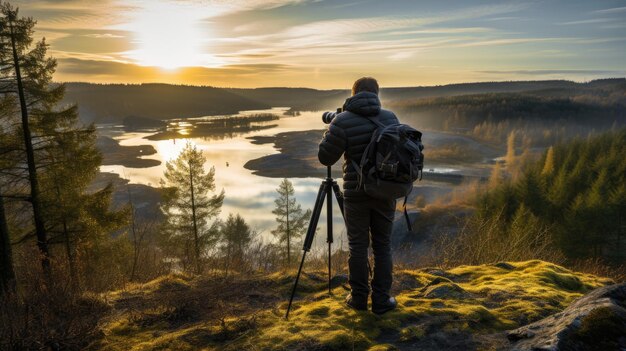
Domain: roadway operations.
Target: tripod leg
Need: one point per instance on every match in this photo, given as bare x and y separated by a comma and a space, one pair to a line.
315, 216
293, 291
339, 197
310, 233
329, 227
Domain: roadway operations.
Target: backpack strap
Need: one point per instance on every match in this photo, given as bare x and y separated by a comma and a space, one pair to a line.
376, 134
406, 215
359, 167
376, 122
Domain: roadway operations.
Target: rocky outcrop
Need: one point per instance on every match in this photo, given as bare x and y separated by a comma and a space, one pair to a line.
596, 321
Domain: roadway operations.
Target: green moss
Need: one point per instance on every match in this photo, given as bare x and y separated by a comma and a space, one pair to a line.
562, 280
382, 347
319, 311
411, 333
465, 299
600, 329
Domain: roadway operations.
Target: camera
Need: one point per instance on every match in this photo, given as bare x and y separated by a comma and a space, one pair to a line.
328, 116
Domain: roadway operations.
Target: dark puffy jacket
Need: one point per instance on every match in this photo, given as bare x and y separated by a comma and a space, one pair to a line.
349, 133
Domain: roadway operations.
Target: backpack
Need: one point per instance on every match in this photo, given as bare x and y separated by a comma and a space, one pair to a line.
391, 162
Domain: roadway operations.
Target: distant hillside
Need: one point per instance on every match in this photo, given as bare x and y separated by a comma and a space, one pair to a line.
544, 115
301, 99
111, 103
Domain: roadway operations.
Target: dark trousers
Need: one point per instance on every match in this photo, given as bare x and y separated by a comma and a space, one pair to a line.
365, 215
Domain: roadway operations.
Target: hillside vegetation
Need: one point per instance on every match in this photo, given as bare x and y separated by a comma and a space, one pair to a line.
460, 308
111, 103
542, 116
577, 190
447, 106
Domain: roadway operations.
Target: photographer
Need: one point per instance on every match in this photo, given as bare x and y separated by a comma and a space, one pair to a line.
348, 134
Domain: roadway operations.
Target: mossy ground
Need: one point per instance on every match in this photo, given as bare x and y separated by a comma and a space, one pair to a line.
455, 309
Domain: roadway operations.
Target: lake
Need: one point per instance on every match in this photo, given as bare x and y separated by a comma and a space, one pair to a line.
249, 195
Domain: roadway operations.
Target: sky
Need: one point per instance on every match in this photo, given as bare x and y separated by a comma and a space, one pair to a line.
327, 44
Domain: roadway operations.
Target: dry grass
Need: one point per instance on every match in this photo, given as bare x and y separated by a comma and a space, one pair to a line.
487, 240
49, 317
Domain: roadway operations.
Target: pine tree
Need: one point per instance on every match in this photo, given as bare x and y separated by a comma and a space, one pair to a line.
236, 238
495, 178
7, 273
77, 219
291, 221
510, 148
61, 156
188, 207
33, 95
548, 165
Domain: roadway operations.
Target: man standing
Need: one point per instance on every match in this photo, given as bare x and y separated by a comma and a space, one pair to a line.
348, 134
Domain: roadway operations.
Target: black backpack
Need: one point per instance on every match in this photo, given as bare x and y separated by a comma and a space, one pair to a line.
391, 162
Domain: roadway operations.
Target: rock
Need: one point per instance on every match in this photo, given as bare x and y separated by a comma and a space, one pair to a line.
440, 273
338, 280
596, 321
505, 265
441, 288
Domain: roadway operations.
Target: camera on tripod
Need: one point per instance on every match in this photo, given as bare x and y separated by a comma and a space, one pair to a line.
328, 116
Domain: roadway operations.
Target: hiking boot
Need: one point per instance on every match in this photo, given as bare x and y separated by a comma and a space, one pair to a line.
385, 307
359, 306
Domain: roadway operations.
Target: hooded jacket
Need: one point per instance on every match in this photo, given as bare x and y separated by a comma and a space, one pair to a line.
349, 133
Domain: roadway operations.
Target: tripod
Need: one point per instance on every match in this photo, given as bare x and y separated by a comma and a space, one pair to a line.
328, 186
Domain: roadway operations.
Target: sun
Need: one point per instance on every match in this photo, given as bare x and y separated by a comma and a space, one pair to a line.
169, 36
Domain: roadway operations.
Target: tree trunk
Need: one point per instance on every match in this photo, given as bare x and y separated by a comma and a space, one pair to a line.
40, 230
71, 258
195, 224
7, 274
71, 261
228, 259
288, 235
135, 240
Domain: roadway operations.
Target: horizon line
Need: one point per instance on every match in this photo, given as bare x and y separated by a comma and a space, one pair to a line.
340, 89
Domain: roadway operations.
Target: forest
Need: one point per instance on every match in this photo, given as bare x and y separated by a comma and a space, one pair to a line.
80, 271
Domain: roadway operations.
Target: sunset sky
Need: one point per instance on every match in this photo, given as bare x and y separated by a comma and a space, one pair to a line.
329, 43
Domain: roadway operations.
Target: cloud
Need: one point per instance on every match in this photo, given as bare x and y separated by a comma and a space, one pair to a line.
352, 36
69, 14
611, 10
103, 36
510, 41
74, 69
400, 55
460, 30
320, 43
539, 72
505, 18
588, 21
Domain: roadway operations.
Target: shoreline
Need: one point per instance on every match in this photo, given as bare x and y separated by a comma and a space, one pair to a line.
114, 154
296, 157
